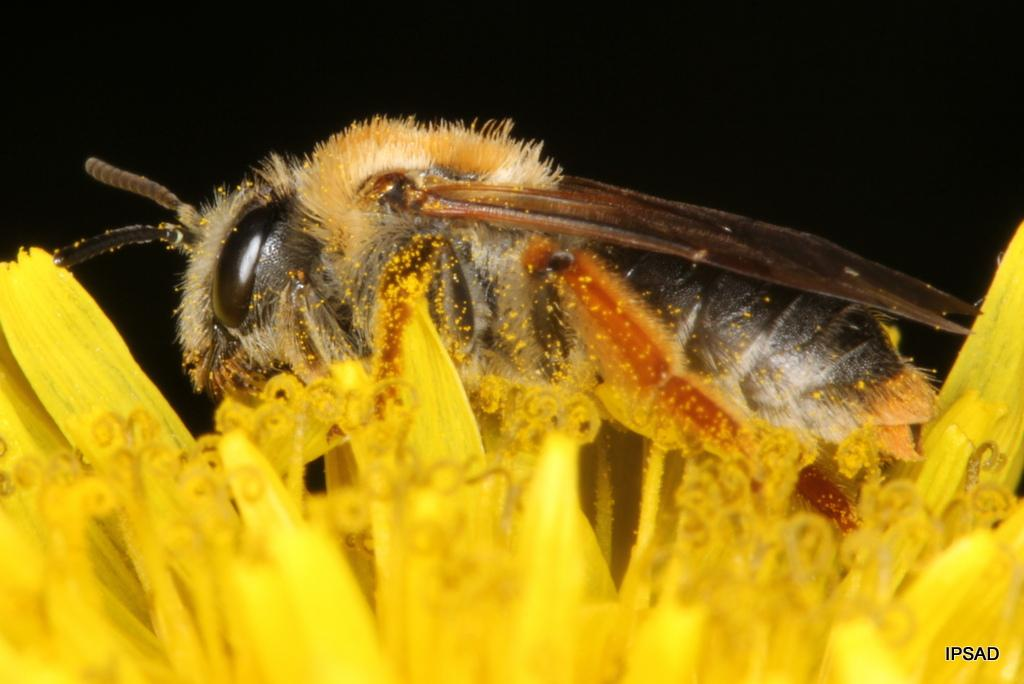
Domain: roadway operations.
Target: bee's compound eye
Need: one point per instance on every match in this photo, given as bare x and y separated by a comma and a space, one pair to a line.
235, 274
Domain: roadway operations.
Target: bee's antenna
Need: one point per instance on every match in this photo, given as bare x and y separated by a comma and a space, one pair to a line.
112, 240
108, 174
178, 235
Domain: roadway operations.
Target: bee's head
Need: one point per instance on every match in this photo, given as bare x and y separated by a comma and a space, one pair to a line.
257, 296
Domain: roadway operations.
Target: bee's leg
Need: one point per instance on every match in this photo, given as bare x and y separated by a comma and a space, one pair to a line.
405, 279
827, 497
897, 404
631, 347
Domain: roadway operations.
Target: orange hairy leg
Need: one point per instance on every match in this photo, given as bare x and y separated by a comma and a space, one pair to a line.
634, 351
631, 347
404, 280
903, 400
821, 491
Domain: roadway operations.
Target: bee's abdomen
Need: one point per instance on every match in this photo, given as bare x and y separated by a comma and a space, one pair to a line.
793, 358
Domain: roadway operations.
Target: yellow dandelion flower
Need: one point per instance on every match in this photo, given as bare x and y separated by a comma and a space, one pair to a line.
496, 545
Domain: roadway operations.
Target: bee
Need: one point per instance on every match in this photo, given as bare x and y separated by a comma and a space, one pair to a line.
537, 276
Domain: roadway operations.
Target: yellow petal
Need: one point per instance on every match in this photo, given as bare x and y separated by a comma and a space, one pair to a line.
25, 426
258, 492
17, 666
991, 364
71, 354
551, 570
27, 437
444, 428
858, 653
302, 616
950, 442
963, 597
668, 646
441, 447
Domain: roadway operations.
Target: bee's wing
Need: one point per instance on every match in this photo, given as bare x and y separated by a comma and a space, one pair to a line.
771, 253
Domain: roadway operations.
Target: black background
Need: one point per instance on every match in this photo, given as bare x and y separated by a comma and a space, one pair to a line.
896, 135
